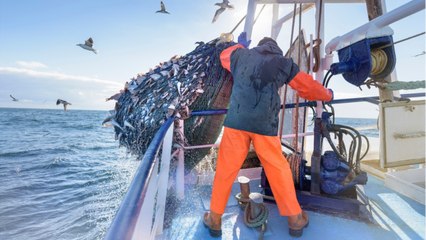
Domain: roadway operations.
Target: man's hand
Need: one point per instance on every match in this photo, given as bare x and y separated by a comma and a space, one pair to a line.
242, 39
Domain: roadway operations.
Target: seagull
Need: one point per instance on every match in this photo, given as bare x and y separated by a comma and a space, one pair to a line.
223, 5
422, 53
60, 101
13, 99
163, 8
88, 45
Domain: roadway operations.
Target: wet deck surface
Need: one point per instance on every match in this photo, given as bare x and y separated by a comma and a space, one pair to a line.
396, 217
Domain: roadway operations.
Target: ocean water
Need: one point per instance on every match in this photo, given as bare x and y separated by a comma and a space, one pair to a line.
365, 126
62, 175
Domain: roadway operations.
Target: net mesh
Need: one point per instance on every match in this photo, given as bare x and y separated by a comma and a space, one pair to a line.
195, 81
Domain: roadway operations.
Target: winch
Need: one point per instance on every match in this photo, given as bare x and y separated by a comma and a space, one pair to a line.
372, 57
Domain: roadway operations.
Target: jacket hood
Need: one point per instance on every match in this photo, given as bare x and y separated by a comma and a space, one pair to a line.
269, 47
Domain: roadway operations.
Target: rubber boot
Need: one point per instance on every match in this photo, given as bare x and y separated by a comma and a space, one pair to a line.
297, 223
213, 222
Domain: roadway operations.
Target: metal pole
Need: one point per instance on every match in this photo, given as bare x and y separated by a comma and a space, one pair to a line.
376, 8
256, 200
164, 178
379, 22
180, 170
277, 25
319, 75
244, 186
274, 30
248, 25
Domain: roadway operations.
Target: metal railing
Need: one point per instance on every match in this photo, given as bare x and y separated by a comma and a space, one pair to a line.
141, 214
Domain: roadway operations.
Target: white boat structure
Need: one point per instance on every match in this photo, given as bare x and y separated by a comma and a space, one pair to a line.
166, 204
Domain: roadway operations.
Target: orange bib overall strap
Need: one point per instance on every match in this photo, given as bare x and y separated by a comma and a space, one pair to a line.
232, 153
225, 56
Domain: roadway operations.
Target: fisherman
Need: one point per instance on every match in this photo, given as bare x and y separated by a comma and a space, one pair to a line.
258, 73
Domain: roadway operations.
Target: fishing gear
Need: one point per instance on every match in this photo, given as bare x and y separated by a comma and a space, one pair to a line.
195, 81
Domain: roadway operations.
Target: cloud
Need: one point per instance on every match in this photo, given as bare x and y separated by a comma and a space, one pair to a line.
31, 64
55, 76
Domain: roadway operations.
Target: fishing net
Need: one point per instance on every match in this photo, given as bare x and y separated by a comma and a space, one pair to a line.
195, 81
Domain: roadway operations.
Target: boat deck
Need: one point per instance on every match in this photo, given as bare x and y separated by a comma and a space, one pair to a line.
395, 217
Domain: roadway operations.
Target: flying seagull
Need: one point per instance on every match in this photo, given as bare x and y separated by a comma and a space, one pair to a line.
223, 5
163, 8
88, 45
65, 103
13, 98
422, 53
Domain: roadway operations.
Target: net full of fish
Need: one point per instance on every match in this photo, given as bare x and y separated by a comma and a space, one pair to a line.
195, 81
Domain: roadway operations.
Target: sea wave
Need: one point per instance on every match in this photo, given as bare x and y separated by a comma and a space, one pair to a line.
64, 174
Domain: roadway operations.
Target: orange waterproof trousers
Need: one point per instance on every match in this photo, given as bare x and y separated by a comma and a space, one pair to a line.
232, 153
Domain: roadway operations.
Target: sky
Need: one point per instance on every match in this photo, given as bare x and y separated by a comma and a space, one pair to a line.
40, 62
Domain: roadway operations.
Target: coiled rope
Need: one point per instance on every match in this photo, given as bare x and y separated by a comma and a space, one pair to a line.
379, 60
253, 221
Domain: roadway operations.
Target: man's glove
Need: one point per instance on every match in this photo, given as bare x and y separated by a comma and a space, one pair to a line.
242, 39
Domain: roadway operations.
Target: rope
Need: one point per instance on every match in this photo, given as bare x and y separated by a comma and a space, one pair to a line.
405, 85
295, 159
280, 132
402, 40
379, 60
258, 15
394, 86
253, 221
242, 202
242, 19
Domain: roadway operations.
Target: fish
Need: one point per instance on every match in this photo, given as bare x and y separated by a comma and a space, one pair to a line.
117, 125
107, 120
194, 81
127, 124
178, 85
115, 96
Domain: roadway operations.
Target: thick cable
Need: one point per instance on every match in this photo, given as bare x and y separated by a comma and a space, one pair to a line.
402, 40
358, 150
368, 147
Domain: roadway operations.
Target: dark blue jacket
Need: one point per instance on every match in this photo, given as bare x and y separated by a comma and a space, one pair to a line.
258, 73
